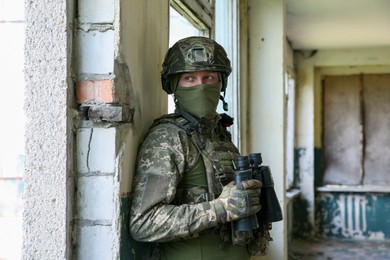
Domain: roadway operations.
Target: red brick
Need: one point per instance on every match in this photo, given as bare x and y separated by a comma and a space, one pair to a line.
99, 90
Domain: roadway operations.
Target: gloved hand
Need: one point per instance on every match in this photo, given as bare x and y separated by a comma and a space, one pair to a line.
238, 201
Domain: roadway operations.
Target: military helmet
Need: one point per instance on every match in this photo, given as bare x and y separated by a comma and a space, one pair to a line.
193, 54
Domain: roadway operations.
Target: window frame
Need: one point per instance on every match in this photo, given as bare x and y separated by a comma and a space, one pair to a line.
227, 34
200, 13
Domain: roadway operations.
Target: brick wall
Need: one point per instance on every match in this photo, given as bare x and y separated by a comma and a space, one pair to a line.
110, 95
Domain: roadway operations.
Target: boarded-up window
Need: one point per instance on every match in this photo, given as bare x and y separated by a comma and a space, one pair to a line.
357, 129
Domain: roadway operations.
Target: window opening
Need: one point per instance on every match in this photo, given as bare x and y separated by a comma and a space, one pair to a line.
227, 34
12, 134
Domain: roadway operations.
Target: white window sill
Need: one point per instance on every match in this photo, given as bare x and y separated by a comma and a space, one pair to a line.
292, 194
356, 188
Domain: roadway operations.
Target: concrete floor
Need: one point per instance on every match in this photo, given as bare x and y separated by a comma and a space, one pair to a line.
339, 250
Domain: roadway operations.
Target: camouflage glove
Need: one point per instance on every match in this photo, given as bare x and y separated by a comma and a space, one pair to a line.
238, 201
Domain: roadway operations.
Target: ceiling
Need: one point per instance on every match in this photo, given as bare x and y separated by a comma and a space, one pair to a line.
330, 24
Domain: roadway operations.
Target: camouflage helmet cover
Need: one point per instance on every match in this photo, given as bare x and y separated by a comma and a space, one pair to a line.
195, 54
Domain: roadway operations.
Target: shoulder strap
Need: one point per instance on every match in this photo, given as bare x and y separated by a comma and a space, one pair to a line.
183, 124
188, 123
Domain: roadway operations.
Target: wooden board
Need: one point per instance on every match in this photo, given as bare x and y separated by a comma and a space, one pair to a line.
342, 135
376, 129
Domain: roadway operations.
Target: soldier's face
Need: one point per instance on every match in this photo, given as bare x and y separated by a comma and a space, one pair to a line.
198, 78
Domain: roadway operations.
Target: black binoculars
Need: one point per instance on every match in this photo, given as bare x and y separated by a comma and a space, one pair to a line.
250, 167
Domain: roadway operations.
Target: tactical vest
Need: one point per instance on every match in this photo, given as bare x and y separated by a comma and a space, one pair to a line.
218, 154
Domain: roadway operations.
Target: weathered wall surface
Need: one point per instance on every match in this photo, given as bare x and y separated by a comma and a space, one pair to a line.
354, 215
265, 132
48, 175
85, 120
311, 67
144, 31
119, 51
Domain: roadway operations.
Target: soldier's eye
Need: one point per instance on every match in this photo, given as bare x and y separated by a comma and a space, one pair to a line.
210, 78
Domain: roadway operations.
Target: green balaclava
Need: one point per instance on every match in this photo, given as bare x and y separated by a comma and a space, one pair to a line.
200, 101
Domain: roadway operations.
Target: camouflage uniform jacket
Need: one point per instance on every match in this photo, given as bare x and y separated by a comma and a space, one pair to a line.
164, 158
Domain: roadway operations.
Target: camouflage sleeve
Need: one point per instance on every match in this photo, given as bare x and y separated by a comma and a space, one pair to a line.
161, 163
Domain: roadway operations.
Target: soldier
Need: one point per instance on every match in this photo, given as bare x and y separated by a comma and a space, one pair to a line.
184, 197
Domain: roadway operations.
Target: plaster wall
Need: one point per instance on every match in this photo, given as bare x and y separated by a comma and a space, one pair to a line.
48, 177
144, 31
266, 100
312, 66
143, 42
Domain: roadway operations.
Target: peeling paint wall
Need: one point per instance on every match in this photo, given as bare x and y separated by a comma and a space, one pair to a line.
311, 67
354, 215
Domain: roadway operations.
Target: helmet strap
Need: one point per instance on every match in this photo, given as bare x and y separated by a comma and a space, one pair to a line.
195, 122
225, 105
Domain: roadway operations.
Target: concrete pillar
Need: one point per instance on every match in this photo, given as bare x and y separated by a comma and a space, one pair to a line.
48, 196
266, 23
304, 150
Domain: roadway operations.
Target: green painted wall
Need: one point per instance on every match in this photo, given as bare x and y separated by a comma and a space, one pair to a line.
302, 227
338, 214
353, 215
126, 244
